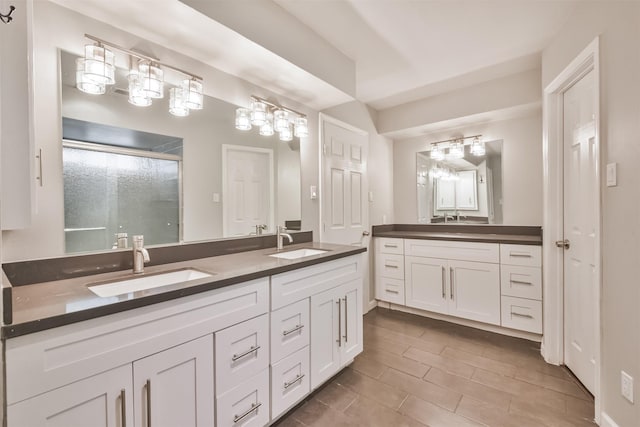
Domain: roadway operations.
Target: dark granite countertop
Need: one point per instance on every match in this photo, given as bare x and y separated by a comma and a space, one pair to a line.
40, 306
463, 233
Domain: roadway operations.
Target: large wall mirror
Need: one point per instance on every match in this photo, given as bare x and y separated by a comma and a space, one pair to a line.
465, 190
141, 170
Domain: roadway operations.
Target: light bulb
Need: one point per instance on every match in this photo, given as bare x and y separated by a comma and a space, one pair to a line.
286, 134
280, 120
177, 102
301, 129
436, 152
267, 128
243, 119
258, 113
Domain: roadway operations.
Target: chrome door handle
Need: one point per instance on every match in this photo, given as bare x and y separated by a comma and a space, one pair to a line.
451, 282
123, 408
346, 320
444, 279
253, 349
563, 243
290, 331
365, 233
254, 407
339, 340
148, 386
288, 384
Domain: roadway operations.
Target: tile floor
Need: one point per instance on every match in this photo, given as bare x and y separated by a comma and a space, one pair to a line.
416, 371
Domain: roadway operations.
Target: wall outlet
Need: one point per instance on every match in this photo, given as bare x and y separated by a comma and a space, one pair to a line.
626, 386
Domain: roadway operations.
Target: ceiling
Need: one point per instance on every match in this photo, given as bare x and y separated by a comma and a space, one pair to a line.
406, 50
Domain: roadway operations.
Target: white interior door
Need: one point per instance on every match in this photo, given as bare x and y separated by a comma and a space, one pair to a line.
247, 189
344, 190
581, 267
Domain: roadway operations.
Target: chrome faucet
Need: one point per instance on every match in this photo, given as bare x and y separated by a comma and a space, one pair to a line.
280, 235
447, 217
260, 228
140, 254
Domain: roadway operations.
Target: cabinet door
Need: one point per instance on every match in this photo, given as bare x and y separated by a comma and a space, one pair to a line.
467, 190
175, 387
325, 325
350, 344
445, 194
94, 401
426, 283
475, 291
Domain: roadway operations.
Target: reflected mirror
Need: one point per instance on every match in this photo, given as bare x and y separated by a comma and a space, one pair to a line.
141, 170
465, 190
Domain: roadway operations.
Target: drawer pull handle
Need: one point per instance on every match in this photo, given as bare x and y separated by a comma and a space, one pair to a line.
392, 291
451, 282
444, 279
390, 246
339, 340
148, 387
290, 331
390, 266
520, 282
520, 255
123, 408
527, 316
254, 407
346, 320
253, 349
288, 384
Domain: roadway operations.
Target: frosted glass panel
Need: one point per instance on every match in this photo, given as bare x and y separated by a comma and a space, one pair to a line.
108, 193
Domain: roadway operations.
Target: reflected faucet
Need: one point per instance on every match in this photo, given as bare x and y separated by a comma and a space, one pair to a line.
280, 235
260, 228
140, 254
448, 217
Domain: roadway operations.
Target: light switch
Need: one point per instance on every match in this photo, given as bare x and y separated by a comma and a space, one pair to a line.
216, 197
612, 174
371, 196
313, 190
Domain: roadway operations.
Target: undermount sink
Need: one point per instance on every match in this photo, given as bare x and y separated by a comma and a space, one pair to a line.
298, 253
125, 286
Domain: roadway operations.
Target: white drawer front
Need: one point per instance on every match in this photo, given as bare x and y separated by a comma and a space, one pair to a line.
245, 405
446, 249
386, 245
523, 314
289, 329
391, 266
390, 290
289, 381
523, 282
241, 352
526, 255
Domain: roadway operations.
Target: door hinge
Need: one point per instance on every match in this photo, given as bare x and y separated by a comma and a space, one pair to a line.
324, 149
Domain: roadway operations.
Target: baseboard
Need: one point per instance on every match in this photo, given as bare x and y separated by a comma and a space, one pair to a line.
607, 421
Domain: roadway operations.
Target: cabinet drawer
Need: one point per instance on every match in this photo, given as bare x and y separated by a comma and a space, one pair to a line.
289, 329
445, 249
241, 351
523, 282
289, 381
391, 266
247, 404
390, 290
385, 245
526, 255
523, 314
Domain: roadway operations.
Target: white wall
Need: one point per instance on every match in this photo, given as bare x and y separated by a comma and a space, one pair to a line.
618, 26
521, 168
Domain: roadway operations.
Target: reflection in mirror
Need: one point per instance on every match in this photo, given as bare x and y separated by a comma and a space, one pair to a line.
196, 178
462, 191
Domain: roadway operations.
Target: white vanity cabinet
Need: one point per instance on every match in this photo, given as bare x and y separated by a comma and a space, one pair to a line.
389, 269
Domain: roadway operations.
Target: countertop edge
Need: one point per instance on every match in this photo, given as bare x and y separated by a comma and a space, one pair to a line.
471, 237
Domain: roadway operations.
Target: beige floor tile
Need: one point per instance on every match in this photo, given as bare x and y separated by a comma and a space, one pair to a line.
432, 415
403, 341
371, 414
371, 388
448, 365
486, 363
469, 388
316, 413
424, 390
407, 365
390, 346
485, 413
397, 326
336, 396
452, 340
367, 366
546, 416
553, 383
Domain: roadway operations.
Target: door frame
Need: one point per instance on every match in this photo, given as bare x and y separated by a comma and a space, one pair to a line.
225, 150
553, 211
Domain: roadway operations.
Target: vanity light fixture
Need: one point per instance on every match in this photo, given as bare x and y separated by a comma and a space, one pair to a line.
271, 118
146, 77
456, 148
437, 153
477, 147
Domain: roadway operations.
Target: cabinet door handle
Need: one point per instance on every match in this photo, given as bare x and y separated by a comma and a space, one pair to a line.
520, 282
288, 384
390, 266
520, 254
392, 291
339, 340
451, 282
39, 157
123, 408
346, 320
527, 316
253, 349
390, 246
444, 279
290, 331
148, 388
254, 407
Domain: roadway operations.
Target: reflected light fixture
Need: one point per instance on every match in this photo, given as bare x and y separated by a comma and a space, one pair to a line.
178, 102
152, 79
286, 133
272, 118
300, 129
137, 96
243, 119
86, 84
193, 95
280, 120
267, 128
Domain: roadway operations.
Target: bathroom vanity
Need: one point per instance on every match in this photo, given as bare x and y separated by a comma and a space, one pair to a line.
238, 346
490, 275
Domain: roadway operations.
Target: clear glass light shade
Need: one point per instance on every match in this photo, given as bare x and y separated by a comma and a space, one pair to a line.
152, 79
456, 150
286, 134
280, 120
177, 102
99, 65
477, 148
243, 119
300, 129
137, 96
437, 153
267, 128
193, 96
258, 113
86, 84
